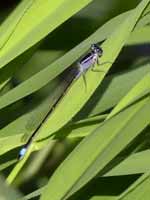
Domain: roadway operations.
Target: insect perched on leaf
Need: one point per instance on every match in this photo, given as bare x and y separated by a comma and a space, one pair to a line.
86, 62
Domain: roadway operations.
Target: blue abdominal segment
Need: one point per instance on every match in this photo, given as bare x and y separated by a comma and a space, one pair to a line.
22, 153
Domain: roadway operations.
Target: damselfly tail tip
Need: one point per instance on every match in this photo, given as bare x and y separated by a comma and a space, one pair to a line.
22, 153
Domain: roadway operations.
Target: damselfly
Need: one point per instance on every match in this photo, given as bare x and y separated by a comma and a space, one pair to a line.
86, 62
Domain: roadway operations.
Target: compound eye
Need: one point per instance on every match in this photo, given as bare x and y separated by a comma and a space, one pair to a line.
93, 47
100, 51
96, 49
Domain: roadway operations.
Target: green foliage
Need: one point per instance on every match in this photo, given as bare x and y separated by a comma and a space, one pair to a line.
91, 136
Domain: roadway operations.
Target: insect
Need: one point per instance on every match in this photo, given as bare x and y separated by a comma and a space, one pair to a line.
83, 65
89, 60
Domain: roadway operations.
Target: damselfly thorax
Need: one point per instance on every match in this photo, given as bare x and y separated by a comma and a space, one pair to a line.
90, 59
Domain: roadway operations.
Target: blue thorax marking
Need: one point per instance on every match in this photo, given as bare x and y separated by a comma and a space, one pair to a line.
86, 58
22, 153
90, 58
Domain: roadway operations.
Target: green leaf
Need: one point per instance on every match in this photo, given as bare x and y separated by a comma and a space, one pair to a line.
7, 164
34, 27
143, 86
103, 198
97, 150
137, 163
140, 36
81, 128
7, 193
9, 25
139, 190
32, 195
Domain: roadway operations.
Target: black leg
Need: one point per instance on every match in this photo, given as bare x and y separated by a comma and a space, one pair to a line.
98, 63
95, 70
84, 79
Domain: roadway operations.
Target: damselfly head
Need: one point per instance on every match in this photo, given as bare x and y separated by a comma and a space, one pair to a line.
96, 49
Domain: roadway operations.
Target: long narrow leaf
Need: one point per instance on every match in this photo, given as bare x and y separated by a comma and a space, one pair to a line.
36, 23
